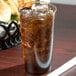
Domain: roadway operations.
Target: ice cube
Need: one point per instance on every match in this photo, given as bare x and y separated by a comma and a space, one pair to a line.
42, 16
51, 11
40, 8
26, 12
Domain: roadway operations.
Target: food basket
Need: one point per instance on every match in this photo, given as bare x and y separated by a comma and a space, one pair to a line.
9, 24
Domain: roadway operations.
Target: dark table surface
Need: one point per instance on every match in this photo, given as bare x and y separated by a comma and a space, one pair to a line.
11, 60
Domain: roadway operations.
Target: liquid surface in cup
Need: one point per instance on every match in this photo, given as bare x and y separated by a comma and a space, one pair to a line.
36, 30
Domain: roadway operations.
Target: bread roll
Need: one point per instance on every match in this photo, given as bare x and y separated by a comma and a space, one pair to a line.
13, 5
5, 11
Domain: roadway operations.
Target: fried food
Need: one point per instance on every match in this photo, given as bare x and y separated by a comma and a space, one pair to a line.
5, 11
9, 8
13, 5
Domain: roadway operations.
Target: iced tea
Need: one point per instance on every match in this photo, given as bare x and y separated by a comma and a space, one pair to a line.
37, 37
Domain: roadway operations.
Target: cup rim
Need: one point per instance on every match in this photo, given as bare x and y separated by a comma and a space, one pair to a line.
54, 7
41, 2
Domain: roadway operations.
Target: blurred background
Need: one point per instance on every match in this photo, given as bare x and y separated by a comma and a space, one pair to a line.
69, 2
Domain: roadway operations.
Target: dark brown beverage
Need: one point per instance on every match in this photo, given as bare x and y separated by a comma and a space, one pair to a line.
37, 37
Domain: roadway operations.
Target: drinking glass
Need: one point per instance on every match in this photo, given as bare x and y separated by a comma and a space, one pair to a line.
37, 33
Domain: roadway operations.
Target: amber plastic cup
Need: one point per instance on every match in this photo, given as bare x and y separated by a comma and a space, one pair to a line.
37, 33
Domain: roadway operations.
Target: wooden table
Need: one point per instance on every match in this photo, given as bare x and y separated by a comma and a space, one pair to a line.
11, 60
